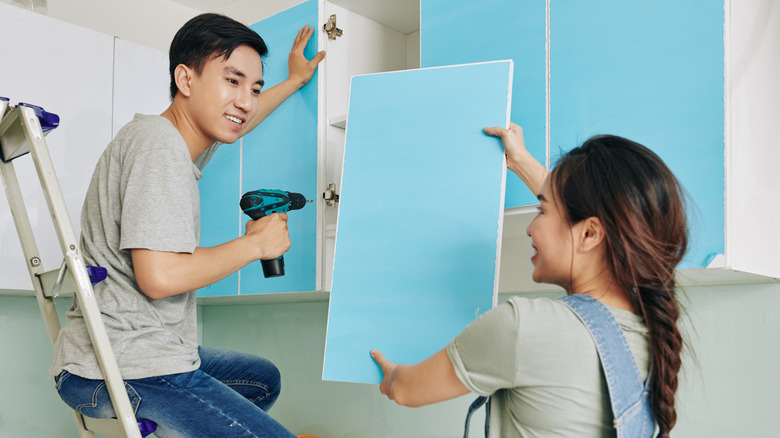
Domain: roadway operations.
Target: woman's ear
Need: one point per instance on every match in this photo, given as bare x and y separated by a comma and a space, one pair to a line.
591, 233
183, 77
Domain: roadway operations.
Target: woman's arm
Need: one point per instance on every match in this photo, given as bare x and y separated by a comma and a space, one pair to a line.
430, 381
518, 159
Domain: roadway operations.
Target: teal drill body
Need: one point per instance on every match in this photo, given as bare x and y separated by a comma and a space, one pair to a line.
260, 203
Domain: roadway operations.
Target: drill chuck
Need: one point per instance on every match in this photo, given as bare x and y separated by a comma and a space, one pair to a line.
297, 201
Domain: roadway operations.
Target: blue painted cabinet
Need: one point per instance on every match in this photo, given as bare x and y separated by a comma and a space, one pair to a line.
649, 71
460, 32
298, 148
281, 153
220, 193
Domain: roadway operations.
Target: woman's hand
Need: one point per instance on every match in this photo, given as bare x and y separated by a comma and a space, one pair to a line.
518, 159
430, 381
387, 370
514, 144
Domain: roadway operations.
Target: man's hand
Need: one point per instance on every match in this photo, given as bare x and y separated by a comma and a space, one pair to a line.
301, 69
270, 234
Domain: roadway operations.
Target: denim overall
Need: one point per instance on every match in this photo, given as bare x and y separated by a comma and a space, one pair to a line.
628, 395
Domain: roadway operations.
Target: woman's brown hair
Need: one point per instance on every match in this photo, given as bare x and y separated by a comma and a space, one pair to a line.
640, 203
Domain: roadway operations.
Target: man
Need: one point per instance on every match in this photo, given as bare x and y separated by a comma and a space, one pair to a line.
141, 221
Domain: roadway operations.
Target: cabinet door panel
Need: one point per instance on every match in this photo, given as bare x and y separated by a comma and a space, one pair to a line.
459, 32
651, 72
420, 216
220, 192
281, 153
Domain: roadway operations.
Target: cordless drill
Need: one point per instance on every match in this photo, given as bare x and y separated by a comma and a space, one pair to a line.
260, 203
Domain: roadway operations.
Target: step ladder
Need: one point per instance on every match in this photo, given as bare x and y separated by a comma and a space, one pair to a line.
22, 130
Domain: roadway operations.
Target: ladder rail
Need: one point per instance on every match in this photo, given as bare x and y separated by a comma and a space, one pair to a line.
29, 248
73, 261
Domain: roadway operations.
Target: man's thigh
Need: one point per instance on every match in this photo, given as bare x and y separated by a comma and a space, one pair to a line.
196, 404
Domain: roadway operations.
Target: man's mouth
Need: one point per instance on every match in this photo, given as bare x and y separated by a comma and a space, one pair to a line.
234, 119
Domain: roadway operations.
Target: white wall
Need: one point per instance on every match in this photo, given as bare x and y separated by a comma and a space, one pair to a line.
94, 83
68, 76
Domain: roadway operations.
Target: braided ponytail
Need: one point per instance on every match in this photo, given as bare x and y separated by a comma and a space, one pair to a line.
640, 203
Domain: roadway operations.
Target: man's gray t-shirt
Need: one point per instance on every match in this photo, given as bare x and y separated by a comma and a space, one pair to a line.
540, 364
143, 194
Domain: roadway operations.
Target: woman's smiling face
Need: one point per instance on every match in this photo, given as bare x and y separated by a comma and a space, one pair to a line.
551, 239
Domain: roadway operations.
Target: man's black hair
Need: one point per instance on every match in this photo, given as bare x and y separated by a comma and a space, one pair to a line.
209, 36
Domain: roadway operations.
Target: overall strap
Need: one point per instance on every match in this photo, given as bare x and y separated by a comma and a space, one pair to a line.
481, 400
623, 379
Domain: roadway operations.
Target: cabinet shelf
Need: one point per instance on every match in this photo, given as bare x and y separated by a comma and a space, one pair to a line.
266, 298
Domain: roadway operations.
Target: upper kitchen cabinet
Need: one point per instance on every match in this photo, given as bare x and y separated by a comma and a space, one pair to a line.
461, 31
299, 147
694, 83
651, 72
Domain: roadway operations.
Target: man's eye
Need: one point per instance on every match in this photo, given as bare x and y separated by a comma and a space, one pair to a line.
233, 81
256, 91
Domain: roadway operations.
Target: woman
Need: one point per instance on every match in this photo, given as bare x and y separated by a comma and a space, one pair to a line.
610, 230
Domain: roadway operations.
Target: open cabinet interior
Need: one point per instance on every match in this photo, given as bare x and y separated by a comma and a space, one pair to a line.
375, 36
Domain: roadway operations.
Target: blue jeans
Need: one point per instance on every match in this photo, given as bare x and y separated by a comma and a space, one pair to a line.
228, 396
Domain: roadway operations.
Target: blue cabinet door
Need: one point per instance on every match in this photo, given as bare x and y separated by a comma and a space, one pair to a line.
281, 153
651, 72
420, 215
220, 192
464, 31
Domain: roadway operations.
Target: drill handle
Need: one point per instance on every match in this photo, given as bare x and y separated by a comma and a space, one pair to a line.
273, 268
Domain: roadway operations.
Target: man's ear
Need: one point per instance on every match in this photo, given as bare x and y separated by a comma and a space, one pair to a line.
183, 76
591, 233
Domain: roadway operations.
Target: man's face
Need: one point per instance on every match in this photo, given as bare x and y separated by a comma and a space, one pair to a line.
224, 97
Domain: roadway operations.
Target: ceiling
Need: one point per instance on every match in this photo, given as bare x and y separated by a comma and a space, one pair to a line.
131, 20
401, 15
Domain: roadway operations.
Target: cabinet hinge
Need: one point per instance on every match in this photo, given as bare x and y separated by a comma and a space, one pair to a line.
330, 28
330, 196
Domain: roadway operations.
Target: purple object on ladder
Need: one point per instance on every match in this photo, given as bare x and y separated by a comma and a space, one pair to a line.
48, 120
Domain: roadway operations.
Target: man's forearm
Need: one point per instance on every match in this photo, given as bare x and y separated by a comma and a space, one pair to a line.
162, 274
270, 99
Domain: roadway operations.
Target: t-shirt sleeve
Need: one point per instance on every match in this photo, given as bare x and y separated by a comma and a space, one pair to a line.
157, 207
484, 355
